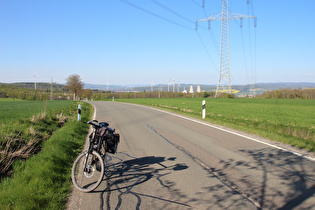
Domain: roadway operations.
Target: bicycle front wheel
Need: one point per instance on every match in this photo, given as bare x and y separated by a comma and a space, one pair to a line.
87, 171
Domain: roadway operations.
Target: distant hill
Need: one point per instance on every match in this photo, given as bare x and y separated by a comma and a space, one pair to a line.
109, 87
40, 85
283, 85
259, 87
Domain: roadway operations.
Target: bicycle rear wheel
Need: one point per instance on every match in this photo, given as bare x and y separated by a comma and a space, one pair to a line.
87, 171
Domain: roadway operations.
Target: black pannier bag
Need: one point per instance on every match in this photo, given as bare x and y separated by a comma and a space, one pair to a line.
111, 141
109, 138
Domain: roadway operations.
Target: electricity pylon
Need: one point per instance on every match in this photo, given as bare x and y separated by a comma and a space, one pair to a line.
224, 80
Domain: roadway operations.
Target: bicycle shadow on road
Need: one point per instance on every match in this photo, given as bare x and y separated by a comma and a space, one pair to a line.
129, 173
122, 177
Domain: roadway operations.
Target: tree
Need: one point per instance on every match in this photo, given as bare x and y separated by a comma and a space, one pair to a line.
75, 85
87, 93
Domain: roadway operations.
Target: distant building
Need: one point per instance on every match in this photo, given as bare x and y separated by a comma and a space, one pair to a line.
191, 89
198, 89
184, 91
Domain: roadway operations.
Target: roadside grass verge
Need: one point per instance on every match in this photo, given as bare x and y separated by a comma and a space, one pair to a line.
284, 120
44, 180
25, 125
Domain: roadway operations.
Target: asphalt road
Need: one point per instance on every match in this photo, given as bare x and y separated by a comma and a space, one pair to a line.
169, 162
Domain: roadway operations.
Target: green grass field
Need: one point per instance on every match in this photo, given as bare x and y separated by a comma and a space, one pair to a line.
31, 118
15, 110
25, 125
41, 181
285, 120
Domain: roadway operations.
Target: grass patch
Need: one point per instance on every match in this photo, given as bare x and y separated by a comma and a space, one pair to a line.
284, 120
22, 135
16, 111
44, 180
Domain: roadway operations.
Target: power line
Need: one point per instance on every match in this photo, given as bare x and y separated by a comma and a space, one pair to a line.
255, 25
175, 13
196, 3
154, 14
244, 54
214, 41
205, 48
210, 31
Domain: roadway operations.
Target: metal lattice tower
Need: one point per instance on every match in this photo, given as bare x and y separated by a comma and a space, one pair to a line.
224, 80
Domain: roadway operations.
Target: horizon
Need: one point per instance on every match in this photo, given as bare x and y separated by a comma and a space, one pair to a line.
171, 84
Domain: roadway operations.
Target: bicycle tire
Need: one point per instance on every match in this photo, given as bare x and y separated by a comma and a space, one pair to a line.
89, 179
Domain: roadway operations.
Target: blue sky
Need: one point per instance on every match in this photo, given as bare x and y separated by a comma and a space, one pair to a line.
142, 41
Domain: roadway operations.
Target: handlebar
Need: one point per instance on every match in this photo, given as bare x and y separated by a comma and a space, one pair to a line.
96, 124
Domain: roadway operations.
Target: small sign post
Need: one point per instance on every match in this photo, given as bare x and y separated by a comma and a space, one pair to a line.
79, 112
203, 109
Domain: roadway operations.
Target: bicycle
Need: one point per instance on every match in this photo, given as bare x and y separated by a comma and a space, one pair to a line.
88, 168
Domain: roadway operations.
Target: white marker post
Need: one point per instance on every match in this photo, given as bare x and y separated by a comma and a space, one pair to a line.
203, 109
79, 112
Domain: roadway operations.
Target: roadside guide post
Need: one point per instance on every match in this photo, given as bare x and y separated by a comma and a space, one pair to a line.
203, 109
79, 112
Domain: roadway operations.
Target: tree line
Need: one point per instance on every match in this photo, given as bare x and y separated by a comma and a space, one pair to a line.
9, 91
74, 89
289, 94
107, 95
102, 95
45, 91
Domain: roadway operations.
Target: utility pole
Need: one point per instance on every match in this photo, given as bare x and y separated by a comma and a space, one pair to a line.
224, 80
152, 85
160, 90
35, 80
51, 89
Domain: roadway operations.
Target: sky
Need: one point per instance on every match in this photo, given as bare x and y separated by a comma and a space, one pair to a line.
134, 42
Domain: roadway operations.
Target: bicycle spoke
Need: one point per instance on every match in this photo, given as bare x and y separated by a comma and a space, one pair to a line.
87, 171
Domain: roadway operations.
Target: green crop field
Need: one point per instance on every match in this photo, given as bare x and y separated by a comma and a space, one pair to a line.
39, 142
25, 125
15, 110
285, 120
